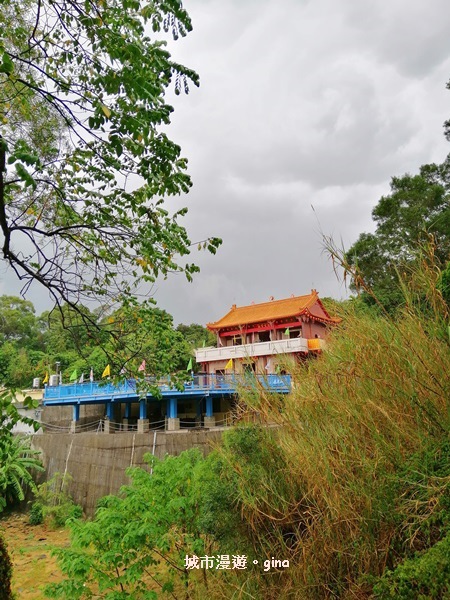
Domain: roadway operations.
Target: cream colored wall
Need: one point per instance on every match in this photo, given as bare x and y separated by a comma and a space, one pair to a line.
36, 394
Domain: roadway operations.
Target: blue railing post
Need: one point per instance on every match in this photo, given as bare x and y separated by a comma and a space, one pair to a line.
209, 406
143, 408
173, 407
110, 411
76, 412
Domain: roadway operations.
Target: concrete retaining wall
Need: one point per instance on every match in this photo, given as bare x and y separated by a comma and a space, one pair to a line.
97, 461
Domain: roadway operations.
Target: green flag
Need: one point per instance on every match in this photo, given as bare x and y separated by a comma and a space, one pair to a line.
74, 376
287, 332
189, 367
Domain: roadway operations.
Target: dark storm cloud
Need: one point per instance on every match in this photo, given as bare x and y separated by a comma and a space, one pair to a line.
301, 104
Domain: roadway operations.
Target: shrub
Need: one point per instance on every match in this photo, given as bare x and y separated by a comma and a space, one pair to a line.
5, 572
362, 455
426, 576
55, 502
36, 514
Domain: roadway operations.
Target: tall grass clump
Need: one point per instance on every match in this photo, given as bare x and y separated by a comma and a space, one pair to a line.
364, 454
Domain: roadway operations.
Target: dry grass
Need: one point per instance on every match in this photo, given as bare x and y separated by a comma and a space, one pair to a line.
379, 395
30, 550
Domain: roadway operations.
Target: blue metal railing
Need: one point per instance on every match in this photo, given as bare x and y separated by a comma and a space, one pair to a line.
227, 383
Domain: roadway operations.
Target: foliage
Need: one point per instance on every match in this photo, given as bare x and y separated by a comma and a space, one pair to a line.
426, 576
196, 335
17, 321
53, 501
351, 487
36, 516
123, 337
84, 163
5, 572
444, 284
417, 207
146, 333
65, 330
17, 459
137, 542
420, 545
362, 449
10, 416
17, 463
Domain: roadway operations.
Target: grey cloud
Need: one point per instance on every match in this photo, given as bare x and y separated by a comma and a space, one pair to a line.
301, 103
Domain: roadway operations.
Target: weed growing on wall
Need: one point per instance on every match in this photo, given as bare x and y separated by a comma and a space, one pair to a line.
53, 502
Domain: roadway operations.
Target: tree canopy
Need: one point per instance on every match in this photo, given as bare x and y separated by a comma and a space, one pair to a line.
86, 167
417, 208
30, 345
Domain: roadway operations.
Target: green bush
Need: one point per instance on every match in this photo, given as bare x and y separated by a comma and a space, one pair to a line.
63, 512
55, 501
36, 514
424, 577
5, 572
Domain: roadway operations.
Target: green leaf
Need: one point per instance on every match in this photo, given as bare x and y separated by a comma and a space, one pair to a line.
25, 175
7, 65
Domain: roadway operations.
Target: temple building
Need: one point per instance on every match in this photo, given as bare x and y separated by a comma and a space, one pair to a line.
259, 337
257, 345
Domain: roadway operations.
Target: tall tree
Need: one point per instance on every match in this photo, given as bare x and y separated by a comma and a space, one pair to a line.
145, 333
417, 207
18, 322
196, 335
85, 167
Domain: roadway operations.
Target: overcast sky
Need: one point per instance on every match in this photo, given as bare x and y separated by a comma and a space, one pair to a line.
301, 103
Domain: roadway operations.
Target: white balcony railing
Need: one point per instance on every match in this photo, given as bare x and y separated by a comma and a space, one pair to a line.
252, 350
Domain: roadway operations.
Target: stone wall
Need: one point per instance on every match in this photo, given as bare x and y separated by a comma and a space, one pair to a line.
62, 416
97, 461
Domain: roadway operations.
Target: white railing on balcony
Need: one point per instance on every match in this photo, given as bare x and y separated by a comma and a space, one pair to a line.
252, 350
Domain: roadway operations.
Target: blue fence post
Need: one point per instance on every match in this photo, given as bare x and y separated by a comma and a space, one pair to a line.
173, 408
76, 412
143, 408
209, 406
110, 411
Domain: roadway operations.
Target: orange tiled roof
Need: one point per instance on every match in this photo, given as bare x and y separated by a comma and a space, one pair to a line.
271, 311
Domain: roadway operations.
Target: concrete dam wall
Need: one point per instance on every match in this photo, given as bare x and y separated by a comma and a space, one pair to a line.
97, 461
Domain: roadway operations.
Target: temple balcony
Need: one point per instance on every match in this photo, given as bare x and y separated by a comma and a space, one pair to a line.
287, 346
198, 385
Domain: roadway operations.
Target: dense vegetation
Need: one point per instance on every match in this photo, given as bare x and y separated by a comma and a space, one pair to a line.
86, 164
30, 345
5, 572
351, 486
17, 463
416, 210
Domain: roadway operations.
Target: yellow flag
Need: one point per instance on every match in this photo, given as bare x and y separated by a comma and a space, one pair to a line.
45, 380
106, 372
229, 364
